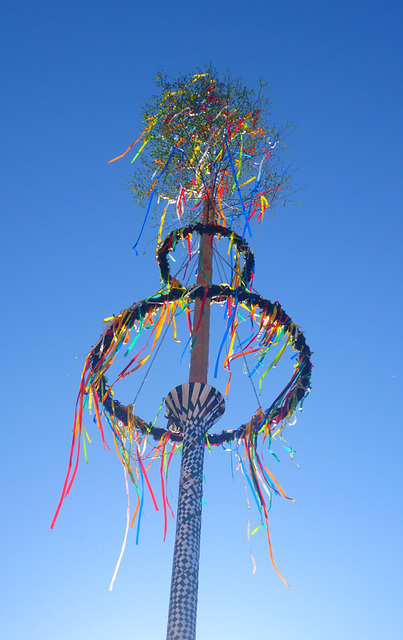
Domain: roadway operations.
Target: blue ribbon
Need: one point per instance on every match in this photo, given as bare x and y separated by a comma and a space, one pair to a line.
230, 319
249, 209
141, 509
238, 189
151, 198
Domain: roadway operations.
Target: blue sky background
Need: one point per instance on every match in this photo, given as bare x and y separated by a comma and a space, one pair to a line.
73, 78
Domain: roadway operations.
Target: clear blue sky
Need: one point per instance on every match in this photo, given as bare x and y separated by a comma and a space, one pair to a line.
73, 78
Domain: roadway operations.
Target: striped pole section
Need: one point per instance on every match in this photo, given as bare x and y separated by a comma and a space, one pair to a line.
192, 408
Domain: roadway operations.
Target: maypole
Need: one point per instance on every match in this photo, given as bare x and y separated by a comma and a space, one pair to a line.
210, 157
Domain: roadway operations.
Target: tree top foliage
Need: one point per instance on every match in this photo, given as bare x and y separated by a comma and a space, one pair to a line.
207, 136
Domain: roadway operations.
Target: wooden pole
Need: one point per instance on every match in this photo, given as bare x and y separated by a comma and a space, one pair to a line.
199, 355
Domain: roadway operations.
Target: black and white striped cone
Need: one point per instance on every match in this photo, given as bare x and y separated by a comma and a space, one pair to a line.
193, 408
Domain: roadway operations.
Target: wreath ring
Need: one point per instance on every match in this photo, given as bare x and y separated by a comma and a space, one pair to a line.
171, 240
278, 411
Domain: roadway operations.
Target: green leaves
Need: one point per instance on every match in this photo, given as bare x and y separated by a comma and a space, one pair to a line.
207, 136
